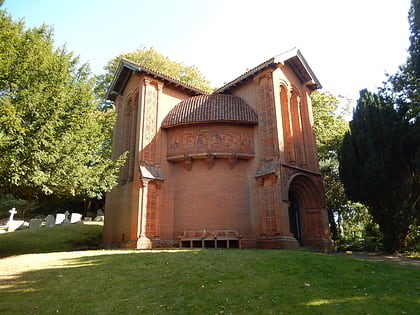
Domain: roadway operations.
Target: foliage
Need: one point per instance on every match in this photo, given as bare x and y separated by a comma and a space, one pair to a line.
211, 282
404, 86
154, 60
348, 220
358, 231
381, 154
52, 239
377, 166
413, 237
329, 127
53, 139
8, 201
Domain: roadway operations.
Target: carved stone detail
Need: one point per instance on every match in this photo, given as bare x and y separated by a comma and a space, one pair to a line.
216, 139
188, 162
233, 159
210, 159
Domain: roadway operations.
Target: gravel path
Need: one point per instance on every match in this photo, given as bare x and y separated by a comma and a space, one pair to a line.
413, 262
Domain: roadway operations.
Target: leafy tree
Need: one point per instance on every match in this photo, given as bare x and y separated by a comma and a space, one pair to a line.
377, 166
330, 127
404, 86
157, 62
53, 139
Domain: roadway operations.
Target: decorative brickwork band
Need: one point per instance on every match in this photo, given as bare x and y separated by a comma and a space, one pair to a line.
149, 146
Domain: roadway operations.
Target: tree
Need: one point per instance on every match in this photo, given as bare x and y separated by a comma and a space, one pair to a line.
404, 86
404, 90
330, 127
53, 138
157, 62
377, 166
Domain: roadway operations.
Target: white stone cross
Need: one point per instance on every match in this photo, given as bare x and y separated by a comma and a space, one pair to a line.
12, 213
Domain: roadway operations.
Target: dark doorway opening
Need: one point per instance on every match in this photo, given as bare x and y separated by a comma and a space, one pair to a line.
294, 218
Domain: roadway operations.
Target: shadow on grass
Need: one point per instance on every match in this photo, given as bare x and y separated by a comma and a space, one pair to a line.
211, 282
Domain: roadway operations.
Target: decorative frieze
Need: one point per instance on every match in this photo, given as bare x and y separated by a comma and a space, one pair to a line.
211, 142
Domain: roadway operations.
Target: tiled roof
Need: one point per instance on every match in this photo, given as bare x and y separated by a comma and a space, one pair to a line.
210, 108
126, 68
292, 58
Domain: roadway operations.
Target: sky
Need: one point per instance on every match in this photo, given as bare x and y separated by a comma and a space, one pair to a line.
349, 45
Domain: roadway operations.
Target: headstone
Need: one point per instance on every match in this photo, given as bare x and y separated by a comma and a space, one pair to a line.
35, 223
12, 214
59, 219
75, 217
66, 218
99, 218
14, 225
99, 213
50, 221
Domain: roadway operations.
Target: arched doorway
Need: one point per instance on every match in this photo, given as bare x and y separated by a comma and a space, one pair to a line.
307, 216
294, 218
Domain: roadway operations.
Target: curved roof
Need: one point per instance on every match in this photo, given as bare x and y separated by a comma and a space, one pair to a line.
210, 108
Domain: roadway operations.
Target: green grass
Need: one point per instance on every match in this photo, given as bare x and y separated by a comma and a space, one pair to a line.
211, 282
54, 239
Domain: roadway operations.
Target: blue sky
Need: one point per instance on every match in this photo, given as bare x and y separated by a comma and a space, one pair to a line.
349, 44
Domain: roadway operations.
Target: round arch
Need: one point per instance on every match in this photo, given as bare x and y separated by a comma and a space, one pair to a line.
304, 187
306, 210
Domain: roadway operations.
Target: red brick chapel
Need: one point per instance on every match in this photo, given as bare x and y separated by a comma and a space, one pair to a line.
236, 168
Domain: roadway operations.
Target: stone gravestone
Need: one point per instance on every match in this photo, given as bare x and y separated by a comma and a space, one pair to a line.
12, 214
13, 225
99, 215
66, 218
50, 221
75, 218
59, 219
35, 223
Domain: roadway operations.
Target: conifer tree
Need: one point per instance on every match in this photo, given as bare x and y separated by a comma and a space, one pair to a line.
377, 166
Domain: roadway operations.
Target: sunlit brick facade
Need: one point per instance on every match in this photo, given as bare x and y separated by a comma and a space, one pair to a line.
241, 159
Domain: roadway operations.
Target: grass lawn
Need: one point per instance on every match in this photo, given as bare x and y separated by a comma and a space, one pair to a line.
53, 239
206, 282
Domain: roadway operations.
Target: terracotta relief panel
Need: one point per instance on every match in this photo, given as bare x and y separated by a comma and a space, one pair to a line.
210, 139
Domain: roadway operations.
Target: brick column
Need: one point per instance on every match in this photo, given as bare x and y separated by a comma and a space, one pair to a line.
143, 242
289, 147
308, 132
297, 129
152, 230
267, 125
